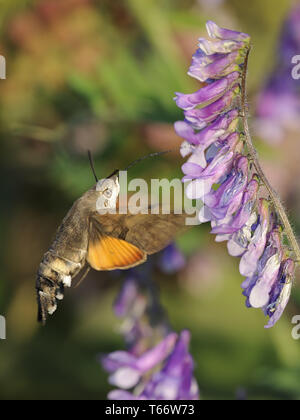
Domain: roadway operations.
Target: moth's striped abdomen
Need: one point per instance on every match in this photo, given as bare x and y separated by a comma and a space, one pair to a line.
65, 258
54, 274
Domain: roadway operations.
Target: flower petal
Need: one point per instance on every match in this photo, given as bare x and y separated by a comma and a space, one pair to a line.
260, 294
221, 66
125, 377
281, 292
221, 46
207, 93
117, 359
243, 214
214, 31
200, 117
157, 354
120, 395
249, 260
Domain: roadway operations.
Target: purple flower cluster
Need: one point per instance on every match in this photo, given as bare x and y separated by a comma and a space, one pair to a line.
219, 173
131, 306
172, 260
164, 372
158, 365
278, 105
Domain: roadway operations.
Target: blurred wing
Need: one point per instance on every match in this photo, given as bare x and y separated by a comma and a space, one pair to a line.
151, 232
109, 253
148, 232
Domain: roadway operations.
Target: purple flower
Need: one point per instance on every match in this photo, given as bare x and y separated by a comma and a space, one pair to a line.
131, 304
277, 113
278, 104
201, 117
238, 242
280, 292
208, 93
224, 201
127, 297
242, 215
218, 172
221, 65
172, 260
174, 381
206, 178
257, 242
219, 46
214, 31
258, 287
223, 125
126, 369
157, 364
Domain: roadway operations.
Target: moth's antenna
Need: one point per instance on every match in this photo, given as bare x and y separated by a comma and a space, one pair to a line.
114, 173
151, 155
92, 165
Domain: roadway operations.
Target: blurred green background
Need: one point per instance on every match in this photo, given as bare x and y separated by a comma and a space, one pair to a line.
101, 75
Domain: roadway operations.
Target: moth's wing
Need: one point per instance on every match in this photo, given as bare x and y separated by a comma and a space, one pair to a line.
149, 232
107, 252
154, 232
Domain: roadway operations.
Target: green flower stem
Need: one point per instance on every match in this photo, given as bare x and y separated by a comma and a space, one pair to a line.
254, 157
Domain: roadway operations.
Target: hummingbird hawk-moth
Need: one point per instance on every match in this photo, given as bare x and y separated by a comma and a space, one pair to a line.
104, 242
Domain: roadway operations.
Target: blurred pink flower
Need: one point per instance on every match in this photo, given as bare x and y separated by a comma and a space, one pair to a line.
278, 104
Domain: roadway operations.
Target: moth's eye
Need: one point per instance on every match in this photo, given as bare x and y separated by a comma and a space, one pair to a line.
108, 193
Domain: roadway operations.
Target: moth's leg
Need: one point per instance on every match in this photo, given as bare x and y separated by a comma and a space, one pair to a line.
87, 270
